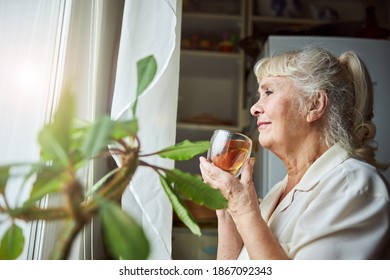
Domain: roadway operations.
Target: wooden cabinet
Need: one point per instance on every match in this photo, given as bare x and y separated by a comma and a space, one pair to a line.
211, 86
315, 17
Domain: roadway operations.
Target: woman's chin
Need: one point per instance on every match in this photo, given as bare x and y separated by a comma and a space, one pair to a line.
264, 143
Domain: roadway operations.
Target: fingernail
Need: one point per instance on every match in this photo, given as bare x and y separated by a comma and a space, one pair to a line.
252, 161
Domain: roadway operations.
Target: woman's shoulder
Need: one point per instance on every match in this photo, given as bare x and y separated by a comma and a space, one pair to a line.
359, 176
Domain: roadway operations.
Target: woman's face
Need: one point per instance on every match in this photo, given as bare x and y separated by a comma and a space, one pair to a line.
279, 121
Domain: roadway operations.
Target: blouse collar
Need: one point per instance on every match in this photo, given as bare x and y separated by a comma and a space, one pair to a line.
334, 156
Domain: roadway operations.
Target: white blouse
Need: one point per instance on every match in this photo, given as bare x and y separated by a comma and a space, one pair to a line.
339, 210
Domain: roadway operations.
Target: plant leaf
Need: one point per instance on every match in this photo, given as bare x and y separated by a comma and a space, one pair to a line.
98, 136
196, 190
185, 150
17, 170
12, 243
124, 236
49, 180
63, 119
78, 131
146, 70
101, 182
179, 206
51, 148
124, 129
4, 175
55, 138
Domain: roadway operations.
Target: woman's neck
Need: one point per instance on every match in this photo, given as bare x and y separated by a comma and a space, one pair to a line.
299, 160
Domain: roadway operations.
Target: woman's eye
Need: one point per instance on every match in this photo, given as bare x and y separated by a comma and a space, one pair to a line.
264, 93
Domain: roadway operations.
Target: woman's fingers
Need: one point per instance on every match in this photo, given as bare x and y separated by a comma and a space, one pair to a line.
210, 172
216, 177
204, 167
247, 171
241, 193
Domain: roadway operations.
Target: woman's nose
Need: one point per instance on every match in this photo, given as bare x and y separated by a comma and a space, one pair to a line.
256, 109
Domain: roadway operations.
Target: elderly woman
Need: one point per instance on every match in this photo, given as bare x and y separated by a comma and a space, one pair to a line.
315, 113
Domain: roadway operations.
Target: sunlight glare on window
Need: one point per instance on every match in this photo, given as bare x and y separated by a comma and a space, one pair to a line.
29, 78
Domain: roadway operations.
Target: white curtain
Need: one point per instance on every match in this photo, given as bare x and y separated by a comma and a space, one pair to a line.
150, 28
91, 50
30, 35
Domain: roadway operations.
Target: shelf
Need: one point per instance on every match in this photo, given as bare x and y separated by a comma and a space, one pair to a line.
210, 16
339, 18
212, 26
209, 88
196, 126
214, 8
211, 54
288, 20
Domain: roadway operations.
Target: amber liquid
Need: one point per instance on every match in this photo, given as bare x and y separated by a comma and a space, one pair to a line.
232, 157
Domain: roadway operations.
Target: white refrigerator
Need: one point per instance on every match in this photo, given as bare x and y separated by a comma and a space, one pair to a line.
375, 54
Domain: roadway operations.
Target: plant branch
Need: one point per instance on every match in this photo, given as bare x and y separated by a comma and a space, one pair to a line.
154, 167
138, 144
35, 213
101, 182
123, 143
148, 155
68, 234
74, 196
116, 186
107, 153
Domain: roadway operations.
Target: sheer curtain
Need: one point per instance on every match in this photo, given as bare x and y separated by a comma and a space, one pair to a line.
48, 44
30, 55
150, 27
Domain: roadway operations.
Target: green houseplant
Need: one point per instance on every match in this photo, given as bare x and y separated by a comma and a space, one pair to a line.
67, 145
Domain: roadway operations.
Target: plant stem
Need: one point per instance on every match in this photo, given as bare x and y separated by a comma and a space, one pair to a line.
68, 234
116, 186
74, 196
35, 213
154, 167
148, 155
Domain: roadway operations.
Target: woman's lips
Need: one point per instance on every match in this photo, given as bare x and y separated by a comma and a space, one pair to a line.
262, 125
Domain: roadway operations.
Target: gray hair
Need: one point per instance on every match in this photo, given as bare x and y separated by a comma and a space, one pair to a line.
348, 86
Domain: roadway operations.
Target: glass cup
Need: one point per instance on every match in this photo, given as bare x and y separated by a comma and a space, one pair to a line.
229, 150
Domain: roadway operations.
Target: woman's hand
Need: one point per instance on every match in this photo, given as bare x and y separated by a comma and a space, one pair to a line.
240, 193
244, 225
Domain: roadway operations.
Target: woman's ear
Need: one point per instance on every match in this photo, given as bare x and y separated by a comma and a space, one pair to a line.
318, 106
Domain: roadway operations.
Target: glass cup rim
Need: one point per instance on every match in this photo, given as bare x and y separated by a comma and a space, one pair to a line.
233, 132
